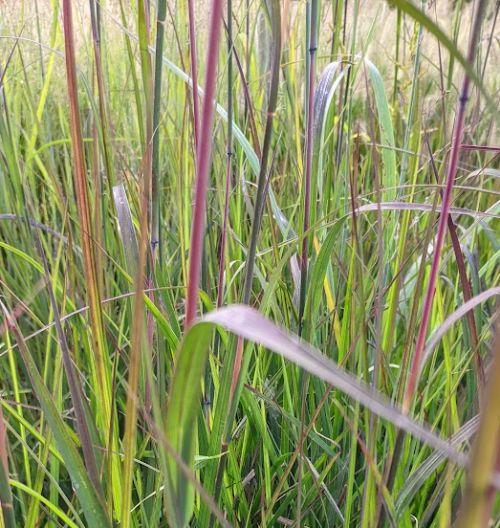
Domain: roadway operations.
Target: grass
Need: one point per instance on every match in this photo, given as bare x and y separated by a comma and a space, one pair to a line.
276, 310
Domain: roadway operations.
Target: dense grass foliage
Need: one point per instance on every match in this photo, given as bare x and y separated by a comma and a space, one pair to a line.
267, 298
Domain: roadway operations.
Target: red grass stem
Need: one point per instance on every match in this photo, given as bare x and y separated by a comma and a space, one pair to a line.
203, 162
458, 133
229, 153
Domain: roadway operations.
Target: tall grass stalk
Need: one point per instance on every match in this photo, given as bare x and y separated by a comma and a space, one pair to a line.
231, 375
150, 179
308, 156
137, 351
274, 17
203, 163
458, 132
101, 365
157, 99
464, 281
312, 16
229, 154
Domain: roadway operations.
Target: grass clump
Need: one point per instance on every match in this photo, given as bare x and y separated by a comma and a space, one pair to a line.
249, 264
